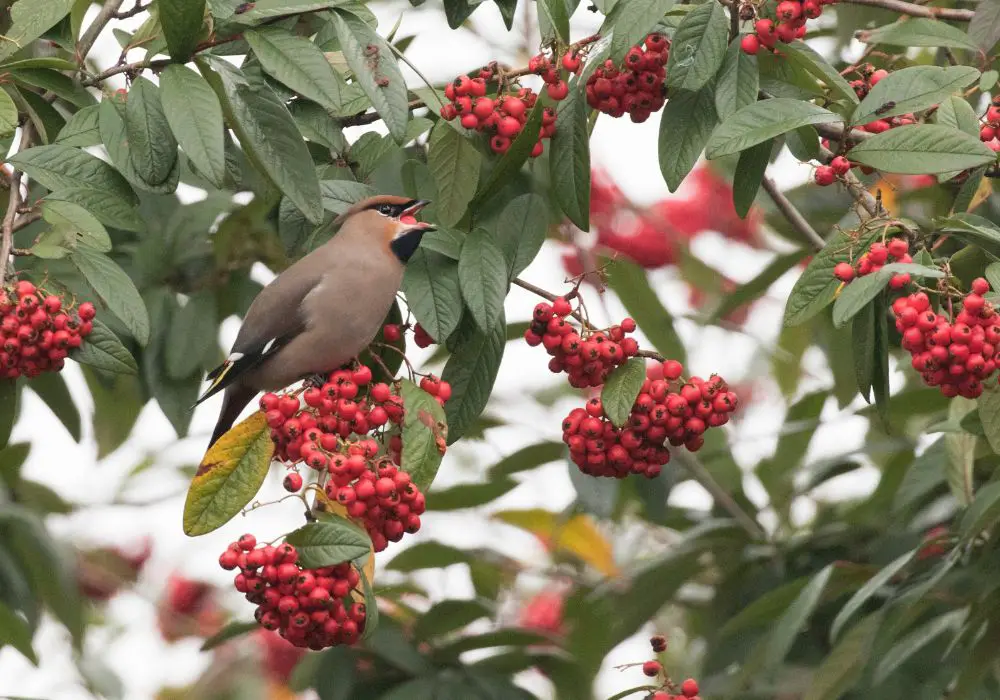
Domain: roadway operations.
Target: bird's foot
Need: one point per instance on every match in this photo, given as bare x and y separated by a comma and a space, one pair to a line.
315, 380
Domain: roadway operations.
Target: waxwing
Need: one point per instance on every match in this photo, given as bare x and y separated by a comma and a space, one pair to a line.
323, 310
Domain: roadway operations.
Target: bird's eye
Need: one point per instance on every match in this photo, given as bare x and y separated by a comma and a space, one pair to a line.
385, 209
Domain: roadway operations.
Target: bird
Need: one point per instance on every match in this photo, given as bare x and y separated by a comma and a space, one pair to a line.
324, 309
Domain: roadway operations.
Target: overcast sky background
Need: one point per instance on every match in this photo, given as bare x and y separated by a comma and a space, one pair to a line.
130, 644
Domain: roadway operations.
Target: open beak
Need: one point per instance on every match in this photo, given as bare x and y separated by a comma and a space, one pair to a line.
414, 208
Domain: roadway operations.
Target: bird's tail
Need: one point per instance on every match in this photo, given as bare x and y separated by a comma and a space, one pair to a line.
236, 398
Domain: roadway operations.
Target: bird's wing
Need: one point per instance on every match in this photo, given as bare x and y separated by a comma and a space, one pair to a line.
272, 321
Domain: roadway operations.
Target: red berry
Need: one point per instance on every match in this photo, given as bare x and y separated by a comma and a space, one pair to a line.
825, 175
652, 668
844, 272
391, 333
292, 482
840, 165
750, 44
689, 688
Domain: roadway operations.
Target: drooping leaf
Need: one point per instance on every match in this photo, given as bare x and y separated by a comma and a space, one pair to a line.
231, 631
915, 641
51, 388
471, 371
621, 389
630, 283
433, 292
520, 231
14, 630
632, 22
528, 457
102, 350
762, 121
115, 289
482, 275
329, 542
192, 342
569, 159
109, 208
911, 90
425, 434
919, 31
749, 174
922, 149
738, 82
803, 56
553, 20
865, 593
229, 476
374, 66
791, 622
181, 21
78, 223
114, 134
687, 122
698, 48
152, 148
984, 28
982, 513
989, 413
454, 162
299, 64
10, 394
960, 451
195, 117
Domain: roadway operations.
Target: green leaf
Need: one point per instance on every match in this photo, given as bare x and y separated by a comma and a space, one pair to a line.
152, 147
960, 452
629, 282
181, 21
9, 396
454, 161
29, 20
957, 113
424, 434
299, 64
738, 81
192, 342
895, 657
427, 555
764, 120
374, 66
102, 350
989, 413
472, 370
520, 231
687, 122
922, 149
919, 31
864, 594
803, 56
857, 295
482, 274
433, 293
971, 226
911, 90
450, 615
621, 389
863, 349
791, 622
527, 458
569, 159
82, 128
982, 513
51, 388
62, 167
553, 19
8, 115
698, 47
268, 9
803, 143
469, 495
115, 289
749, 175
817, 287
229, 476
267, 133
84, 227
445, 241
843, 667
227, 633
329, 542
510, 162
632, 22
114, 134
15, 631
195, 117
984, 29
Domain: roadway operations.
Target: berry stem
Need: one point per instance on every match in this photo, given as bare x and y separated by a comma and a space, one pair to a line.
7, 228
793, 215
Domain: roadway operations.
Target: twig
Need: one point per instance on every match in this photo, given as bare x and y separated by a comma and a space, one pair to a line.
7, 228
913, 10
699, 473
106, 14
793, 215
26, 220
138, 9
857, 190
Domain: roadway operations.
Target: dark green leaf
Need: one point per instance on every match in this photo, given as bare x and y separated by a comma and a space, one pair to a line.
863, 349
749, 174
762, 121
433, 294
803, 143
427, 555
801, 55
181, 21
569, 159
960, 449
267, 133
445, 241
192, 342
753, 289
863, 594
450, 615
621, 389
520, 231
116, 140
195, 117
911, 90
329, 542
738, 82
472, 370
989, 413
791, 622
919, 31
454, 161
482, 274
510, 162
698, 47
51, 388
29, 20
424, 434
527, 458
858, 294
686, 124
843, 667
982, 513
115, 289
984, 29
152, 148
81, 129
109, 208
892, 659
553, 19
77, 224
632, 22
469, 495
630, 283
9, 395
299, 64
920, 149
14, 630
60, 167
374, 66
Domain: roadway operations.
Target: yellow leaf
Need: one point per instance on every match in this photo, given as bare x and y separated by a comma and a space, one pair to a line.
277, 691
578, 536
888, 189
229, 476
983, 193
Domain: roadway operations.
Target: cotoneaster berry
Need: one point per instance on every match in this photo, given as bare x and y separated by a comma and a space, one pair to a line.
652, 668
874, 259
637, 86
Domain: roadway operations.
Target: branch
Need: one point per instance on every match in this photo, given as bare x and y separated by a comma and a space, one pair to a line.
793, 215
913, 10
86, 42
7, 228
699, 473
138, 9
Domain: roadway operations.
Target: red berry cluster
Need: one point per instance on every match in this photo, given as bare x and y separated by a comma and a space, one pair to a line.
654, 669
878, 255
376, 492
679, 416
956, 356
555, 86
503, 116
868, 77
36, 333
989, 132
311, 608
789, 24
636, 88
586, 356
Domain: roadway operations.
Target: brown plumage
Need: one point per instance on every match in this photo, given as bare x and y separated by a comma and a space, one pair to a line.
323, 310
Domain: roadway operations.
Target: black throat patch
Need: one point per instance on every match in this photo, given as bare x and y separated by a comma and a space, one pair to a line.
406, 245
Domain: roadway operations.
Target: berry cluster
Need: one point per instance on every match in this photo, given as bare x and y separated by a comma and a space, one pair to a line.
555, 86
36, 332
311, 608
679, 416
868, 77
654, 669
789, 23
955, 356
503, 116
877, 256
586, 356
989, 132
637, 87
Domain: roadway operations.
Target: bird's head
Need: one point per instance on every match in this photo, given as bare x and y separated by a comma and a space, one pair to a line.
392, 219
